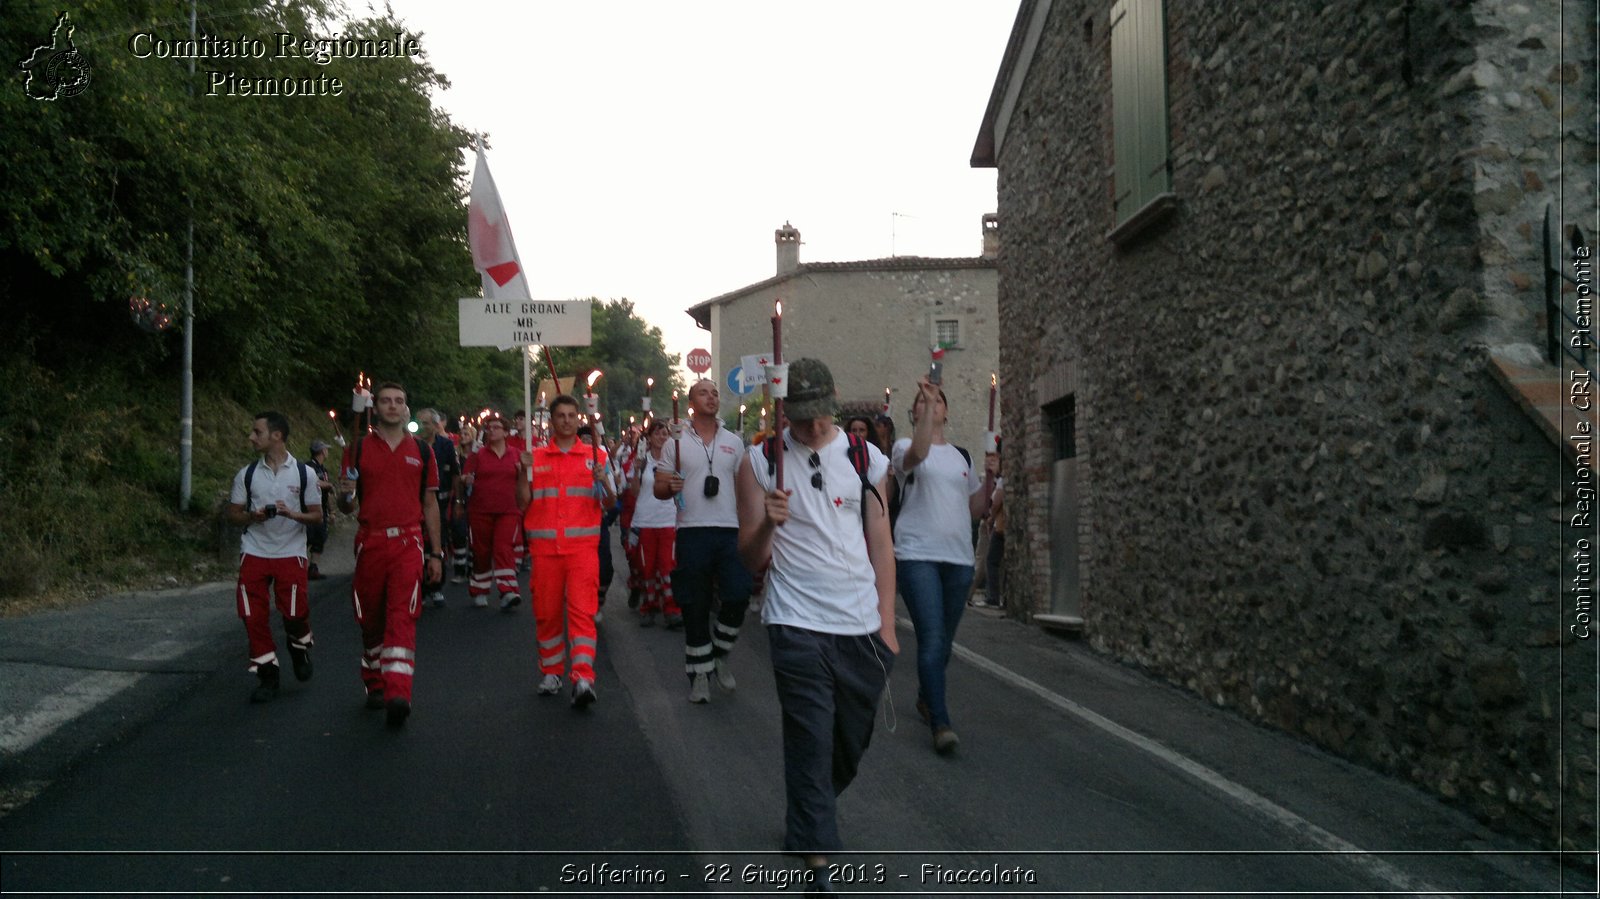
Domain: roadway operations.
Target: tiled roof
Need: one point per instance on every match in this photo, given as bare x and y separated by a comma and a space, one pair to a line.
700, 311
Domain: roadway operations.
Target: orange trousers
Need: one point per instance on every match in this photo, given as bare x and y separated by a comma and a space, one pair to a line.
566, 594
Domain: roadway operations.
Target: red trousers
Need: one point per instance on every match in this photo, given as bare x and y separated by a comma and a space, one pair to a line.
259, 581
494, 553
657, 558
387, 593
566, 591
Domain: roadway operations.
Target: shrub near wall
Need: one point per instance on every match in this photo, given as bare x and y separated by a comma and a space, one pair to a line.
1302, 497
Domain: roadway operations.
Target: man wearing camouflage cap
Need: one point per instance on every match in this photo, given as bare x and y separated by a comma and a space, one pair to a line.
829, 608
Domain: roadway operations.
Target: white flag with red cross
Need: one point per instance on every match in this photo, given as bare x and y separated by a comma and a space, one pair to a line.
494, 254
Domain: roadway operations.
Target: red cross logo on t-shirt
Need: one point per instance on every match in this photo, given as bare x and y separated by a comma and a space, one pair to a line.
838, 501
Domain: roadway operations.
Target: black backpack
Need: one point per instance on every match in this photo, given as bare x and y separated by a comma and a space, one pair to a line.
250, 475
422, 449
899, 497
859, 460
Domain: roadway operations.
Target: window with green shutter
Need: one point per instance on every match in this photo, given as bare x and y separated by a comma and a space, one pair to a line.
1142, 174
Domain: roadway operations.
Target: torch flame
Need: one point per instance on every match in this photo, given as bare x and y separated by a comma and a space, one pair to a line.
593, 377
649, 382
741, 408
993, 379
331, 415
777, 307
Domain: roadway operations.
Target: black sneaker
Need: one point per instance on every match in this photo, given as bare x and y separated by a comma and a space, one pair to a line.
582, 694
398, 710
374, 699
634, 598
267, 689
302, 662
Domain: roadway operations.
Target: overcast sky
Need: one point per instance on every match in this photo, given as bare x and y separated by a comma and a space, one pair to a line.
649, 149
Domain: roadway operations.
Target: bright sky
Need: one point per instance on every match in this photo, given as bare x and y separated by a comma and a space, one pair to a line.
649, 149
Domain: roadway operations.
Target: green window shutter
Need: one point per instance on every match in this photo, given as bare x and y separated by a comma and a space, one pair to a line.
1138, 104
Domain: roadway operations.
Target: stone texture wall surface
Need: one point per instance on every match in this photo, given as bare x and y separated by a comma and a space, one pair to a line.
1302, 497
871, 328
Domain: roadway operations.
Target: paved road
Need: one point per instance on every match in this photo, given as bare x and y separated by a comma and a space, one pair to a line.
133, 762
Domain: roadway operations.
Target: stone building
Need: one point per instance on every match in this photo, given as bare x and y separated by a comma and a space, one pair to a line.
1271, 301
873, 322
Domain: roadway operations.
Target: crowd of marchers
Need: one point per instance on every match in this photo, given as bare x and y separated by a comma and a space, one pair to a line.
825, 524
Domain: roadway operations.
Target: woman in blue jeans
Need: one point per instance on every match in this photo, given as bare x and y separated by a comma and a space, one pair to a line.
940, 495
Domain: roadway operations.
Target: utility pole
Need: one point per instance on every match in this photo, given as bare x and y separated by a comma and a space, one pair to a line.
186, 403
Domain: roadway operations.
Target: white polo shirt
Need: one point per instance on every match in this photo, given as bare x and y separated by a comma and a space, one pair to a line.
650, 512
821, 577
277, 537
696, 458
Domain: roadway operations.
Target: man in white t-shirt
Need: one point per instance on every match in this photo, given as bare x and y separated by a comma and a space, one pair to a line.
829, 607
707, 457
273, 499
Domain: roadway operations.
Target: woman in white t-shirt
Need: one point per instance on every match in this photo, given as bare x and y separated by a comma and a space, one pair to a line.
654, 528
940, 494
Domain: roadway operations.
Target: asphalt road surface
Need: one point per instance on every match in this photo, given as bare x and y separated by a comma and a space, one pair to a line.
1075, 776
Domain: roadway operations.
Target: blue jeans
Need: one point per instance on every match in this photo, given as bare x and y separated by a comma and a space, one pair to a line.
935, 594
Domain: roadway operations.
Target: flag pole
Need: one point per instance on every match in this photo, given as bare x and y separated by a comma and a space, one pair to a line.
527, 405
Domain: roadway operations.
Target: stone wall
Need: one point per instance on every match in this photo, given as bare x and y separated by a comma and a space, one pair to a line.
1532, 145
1302, 497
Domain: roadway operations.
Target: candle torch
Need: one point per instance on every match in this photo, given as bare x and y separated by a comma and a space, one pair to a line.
780, 390
595, 429
677, 447
649, 383
741, 419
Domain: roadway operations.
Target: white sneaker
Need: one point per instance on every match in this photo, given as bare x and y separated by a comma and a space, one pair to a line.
700, 689
481, 601
550, 685
438, 599
582, 693
725, 674
509, 601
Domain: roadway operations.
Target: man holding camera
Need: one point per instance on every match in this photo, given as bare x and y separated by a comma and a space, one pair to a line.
273, 499
707, 553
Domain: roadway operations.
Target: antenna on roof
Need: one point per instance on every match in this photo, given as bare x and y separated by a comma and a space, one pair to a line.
894, 218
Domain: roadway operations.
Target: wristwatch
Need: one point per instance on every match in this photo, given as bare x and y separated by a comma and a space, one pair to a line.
439, 556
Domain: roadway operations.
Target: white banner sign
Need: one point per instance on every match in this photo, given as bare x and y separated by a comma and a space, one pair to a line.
507, 323
753, 370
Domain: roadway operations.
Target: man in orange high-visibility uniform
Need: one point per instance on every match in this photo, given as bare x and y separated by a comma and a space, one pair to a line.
397, 481
561, 520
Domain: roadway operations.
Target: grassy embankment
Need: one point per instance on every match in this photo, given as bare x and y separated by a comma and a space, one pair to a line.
89, 476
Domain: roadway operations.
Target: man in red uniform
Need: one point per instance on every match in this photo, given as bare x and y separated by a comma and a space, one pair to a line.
391, 478
495, 516
563, 506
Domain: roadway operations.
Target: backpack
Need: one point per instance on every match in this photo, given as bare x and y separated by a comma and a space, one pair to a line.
422, 489
859, 460
898, 497
250, 475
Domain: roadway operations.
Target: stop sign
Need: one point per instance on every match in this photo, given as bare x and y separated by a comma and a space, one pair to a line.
699, 361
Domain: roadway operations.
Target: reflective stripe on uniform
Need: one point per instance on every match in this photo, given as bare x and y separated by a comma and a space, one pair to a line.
724, 636
588, 492
398, 668
543, 493
542, 534
583, 532
398, 652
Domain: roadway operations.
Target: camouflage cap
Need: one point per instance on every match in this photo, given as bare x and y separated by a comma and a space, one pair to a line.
811, 391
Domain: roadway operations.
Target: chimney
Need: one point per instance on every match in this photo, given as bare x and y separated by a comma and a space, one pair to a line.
788, 240
991, 236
